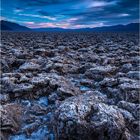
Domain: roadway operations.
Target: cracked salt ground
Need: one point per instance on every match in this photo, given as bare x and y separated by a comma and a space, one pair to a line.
77, 83
43, 101
69, 85
37, 128
41, 134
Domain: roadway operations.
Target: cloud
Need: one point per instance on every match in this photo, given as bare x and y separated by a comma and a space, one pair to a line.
72, 19
87, 26
38, 16
62, 24
57, 25
71, 13
18, 10
2, 18
47, 25
101, 3
35, 3
29, 22
123, 15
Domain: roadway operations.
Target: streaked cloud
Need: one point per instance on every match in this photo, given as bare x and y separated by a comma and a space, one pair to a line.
38, 16
18, 10
47, 25
123, 15
70, 13
101, 3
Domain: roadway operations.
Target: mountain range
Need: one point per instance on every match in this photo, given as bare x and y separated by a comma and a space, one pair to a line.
11, 26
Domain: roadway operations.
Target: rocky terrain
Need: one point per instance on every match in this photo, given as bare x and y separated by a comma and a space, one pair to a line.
69, 86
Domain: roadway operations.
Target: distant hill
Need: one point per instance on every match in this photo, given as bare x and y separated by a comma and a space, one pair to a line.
10, 26
51, 29
129, 27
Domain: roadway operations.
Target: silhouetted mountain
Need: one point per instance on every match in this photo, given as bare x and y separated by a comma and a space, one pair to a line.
10, 26
51, 29
118, 28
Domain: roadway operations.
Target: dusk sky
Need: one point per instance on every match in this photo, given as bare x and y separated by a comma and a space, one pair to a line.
70, 13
